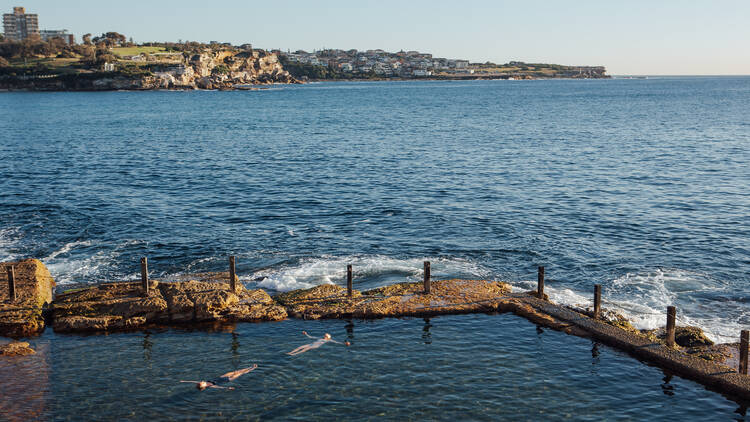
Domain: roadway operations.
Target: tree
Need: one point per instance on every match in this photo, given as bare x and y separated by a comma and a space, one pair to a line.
110, 39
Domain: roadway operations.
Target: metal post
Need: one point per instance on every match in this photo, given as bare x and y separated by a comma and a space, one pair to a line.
744, 336
540, 283
597, 300
12, 283
671, 317
349, 280
427, 277
232, 274
144, 276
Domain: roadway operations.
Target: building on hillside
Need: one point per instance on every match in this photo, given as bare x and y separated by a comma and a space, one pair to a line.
462, 64
20, 25
48, 34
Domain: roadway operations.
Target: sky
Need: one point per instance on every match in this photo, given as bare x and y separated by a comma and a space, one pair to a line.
635, 37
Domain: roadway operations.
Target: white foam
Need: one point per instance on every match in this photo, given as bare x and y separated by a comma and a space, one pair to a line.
74, 263
375, 270
10, 237
643, 296
66, 248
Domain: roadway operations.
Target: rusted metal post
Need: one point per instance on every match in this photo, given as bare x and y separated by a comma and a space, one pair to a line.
671, 316
540, 283
349, 280
232, 274
427, 277
744, 339
144, 275
12, 283
597, 300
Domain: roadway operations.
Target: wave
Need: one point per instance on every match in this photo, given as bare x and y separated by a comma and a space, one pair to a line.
368, 271
75, 263
10, 238
643, 297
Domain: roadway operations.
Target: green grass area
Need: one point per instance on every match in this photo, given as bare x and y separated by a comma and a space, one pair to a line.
133, 51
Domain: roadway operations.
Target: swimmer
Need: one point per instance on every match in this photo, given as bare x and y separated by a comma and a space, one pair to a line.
229, 376
314, 345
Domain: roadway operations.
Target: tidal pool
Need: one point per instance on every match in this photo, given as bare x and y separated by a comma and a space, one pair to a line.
465, 367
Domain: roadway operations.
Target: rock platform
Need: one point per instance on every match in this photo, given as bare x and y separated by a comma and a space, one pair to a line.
396, 300
122, 306
207, 297
24, 317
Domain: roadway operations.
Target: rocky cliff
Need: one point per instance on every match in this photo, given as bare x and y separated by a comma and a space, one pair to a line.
224, 70
209, 69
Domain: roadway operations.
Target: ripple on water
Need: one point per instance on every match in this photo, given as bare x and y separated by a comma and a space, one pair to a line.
478, 367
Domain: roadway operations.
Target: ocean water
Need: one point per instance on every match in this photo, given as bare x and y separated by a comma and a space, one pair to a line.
639, 185
464, 367
642, 186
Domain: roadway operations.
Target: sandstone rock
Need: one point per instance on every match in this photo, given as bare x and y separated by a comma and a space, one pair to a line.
34, 283
16, 348
686, 336
402, 299
323, 301
120, 306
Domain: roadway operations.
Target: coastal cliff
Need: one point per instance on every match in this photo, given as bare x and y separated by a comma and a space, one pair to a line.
209, 69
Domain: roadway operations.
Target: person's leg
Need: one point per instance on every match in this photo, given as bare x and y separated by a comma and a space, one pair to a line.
236, 374
301, 349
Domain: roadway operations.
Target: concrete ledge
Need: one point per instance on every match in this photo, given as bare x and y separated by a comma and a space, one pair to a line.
716, 376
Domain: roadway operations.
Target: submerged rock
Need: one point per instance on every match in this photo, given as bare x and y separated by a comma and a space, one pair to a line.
120, 306
23, 317
16, 348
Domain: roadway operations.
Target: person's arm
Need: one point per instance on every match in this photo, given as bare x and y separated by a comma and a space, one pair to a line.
305, 333
218, 386
194, 382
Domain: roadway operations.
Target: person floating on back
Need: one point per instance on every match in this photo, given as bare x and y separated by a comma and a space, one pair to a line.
228, 377
314, 345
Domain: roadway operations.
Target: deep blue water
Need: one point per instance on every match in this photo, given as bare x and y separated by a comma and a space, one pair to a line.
642, 186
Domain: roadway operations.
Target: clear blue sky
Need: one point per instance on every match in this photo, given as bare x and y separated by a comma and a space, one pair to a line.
629, 37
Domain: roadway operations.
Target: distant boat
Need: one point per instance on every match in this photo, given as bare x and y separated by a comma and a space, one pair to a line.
511, 79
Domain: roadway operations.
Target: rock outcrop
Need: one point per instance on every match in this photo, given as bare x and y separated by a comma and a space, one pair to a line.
211, 69
24, 316
121, 306
396, 300
16, 348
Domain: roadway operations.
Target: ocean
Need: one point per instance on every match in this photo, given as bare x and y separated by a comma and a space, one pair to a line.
640, 185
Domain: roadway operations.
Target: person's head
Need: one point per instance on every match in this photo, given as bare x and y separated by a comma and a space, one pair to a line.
327, 336
202, 385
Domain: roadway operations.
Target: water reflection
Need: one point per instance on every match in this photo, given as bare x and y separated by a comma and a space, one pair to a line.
349, 330
147, 344
426, 336
235, 349
595, 353
742, 411
666, 387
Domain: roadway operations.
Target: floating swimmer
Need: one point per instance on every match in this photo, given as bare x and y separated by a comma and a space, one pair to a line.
314, 345
228, 377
